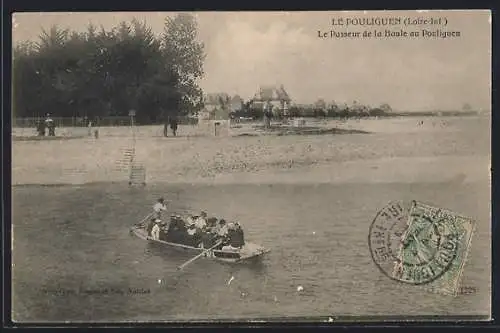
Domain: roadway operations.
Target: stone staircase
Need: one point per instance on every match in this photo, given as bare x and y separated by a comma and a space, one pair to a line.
127, 164
127, 158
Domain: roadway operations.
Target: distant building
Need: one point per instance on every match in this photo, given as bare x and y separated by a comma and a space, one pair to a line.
216, 107
272, 97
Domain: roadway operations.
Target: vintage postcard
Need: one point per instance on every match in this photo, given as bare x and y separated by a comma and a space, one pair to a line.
251, 166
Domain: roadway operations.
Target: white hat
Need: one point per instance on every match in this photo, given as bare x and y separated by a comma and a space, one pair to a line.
157, 221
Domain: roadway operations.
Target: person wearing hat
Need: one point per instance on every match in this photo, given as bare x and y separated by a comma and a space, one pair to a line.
190, 220
165, 227
201, 221
236, 236
222, 228
175, 230
194, 236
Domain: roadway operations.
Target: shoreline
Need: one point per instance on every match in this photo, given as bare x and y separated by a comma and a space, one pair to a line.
399, 151
442, 170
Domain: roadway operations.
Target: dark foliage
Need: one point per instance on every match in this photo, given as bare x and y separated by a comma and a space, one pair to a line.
101, 73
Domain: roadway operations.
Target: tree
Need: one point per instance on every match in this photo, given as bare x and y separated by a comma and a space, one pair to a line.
320, 104
343, 110
377, 112
186, 55
96, 73
386, 108
332, 109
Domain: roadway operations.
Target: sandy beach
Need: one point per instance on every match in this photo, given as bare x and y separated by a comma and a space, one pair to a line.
396, 150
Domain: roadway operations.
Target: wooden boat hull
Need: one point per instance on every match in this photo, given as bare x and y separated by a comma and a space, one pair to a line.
248, 252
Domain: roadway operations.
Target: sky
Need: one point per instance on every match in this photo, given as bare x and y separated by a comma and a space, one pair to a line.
246, 50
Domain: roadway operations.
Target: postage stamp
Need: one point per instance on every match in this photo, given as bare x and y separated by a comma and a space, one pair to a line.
386, 232
421, 245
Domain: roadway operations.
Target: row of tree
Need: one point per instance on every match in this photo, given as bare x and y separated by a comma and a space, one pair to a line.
319, 109
102, 73
335, 111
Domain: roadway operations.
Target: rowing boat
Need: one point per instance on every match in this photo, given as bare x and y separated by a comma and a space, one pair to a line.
247, 252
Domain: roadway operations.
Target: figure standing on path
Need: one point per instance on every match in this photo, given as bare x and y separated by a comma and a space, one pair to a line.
173, 124
49, 123
40, 127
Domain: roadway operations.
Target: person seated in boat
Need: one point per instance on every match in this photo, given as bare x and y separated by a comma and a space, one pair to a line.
208, 239
222, 228
155, 231
176, 223
239, 230
220, 233
210, 234
176, 229
235, 235
190, 220
211, 224
193, 236
201, 222
191, 230
164, 230
228, 243
230, 240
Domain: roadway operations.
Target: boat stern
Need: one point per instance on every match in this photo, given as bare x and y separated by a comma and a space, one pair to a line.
250, 250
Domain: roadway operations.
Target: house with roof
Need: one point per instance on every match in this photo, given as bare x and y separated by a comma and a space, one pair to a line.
273, 98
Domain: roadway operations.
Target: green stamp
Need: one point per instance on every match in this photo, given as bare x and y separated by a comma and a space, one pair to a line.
433, 249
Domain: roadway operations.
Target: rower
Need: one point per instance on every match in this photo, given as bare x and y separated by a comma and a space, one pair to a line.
158, 208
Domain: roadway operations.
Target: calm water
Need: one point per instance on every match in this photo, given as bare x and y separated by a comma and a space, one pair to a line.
76, 261
78, 242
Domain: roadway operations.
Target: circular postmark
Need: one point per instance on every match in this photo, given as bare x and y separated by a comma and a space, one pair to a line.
413, 243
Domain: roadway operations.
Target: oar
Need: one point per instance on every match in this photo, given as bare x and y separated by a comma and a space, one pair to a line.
144, 219
198, 256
